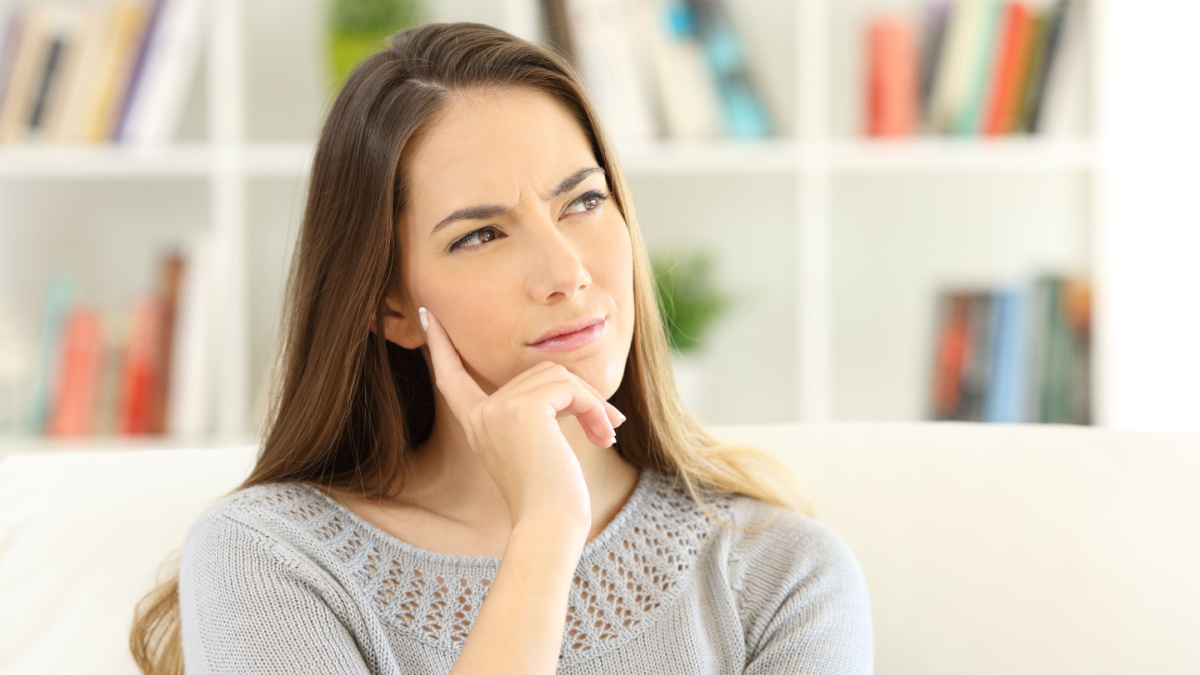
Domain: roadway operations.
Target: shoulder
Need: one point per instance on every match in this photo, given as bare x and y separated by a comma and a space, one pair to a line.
780, 543
793, 568
260, 516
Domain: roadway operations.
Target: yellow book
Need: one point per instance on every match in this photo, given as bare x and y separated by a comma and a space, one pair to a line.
129, 23
79, 61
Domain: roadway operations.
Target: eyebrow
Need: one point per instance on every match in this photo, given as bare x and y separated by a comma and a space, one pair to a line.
482, 211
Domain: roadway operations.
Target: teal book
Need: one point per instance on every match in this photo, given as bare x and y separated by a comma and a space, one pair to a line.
59, 297
970, 121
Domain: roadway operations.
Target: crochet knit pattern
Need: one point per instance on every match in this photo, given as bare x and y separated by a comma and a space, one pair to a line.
656, 564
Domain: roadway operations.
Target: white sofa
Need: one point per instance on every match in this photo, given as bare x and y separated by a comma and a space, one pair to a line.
987, 549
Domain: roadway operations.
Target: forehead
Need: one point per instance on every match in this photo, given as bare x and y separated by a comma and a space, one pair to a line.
491, 145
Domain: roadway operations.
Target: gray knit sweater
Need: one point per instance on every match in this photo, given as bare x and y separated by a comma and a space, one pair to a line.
279, 578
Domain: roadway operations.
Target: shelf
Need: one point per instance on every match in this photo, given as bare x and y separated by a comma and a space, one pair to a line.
39, 444
961, 154
105, 161
722, 156
291, 159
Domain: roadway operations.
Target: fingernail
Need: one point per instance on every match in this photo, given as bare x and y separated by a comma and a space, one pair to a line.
612, 441
619, 414
424, 319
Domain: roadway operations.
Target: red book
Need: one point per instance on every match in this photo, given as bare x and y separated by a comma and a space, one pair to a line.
172, 271
74, 412
1010, 66
138, 371
951, 354
893, 77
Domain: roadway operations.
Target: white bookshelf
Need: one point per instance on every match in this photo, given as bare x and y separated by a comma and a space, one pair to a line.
814, 228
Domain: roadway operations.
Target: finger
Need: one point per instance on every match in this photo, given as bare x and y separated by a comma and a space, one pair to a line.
568, 396
461, 390
615, 418
535, 377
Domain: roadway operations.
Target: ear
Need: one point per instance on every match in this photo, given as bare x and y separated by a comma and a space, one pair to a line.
402, 328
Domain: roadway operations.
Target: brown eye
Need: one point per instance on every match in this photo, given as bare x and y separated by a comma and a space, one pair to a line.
588, 201
482, 235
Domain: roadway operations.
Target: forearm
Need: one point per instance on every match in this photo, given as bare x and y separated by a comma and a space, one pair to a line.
520, 625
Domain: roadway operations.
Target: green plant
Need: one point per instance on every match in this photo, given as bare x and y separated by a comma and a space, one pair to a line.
687, 300
357, 29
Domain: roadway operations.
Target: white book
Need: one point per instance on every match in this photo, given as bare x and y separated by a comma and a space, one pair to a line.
172, 57
189, 403
687, 95
957, 64
612, 65
1064, 108
17, 353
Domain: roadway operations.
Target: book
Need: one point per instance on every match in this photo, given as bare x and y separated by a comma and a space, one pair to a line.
17, 348
980, 67
954, 71
1006, 391
188, 402
933, 36
172, 269
1045, 56
558, 29
743, 111
893, 87
132, 75
31, 45
607, 58
74, 411
1063, 110
139, 364
1014, 51
952, 325
171, 58
60, 34
1078, 302
112, 75
60, 296
8, 48
686, 95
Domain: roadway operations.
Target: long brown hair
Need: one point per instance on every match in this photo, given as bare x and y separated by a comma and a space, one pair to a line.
347, 406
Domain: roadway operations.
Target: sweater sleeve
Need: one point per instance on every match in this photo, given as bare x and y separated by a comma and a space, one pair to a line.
803, 600
247, 607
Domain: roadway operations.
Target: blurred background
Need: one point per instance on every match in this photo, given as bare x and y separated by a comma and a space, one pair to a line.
859, 210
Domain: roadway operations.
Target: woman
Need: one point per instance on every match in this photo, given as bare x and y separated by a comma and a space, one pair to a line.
543, 501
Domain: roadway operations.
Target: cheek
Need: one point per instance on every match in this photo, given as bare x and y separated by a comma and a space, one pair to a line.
617, 265
478, 317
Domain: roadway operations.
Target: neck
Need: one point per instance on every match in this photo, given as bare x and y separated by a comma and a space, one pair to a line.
448, 478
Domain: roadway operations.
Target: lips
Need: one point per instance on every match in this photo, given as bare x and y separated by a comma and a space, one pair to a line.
566, 329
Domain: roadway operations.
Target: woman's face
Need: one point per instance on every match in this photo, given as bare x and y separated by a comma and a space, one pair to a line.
509, 233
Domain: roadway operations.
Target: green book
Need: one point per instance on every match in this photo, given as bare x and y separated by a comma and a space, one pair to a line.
970, 121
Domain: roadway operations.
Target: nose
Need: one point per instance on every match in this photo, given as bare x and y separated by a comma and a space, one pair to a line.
556, 266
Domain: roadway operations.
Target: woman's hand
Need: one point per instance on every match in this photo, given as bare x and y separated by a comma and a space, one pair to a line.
515, 431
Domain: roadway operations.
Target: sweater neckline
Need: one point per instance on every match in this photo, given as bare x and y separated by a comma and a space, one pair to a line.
646, 480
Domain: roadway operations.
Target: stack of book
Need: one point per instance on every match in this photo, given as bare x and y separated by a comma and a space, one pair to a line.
654, 69
116, 72
1018, 354
974, 67
88, 372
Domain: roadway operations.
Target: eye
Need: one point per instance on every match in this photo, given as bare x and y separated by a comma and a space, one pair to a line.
588, 201
483, 235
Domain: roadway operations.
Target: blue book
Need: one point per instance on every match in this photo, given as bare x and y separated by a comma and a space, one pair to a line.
1005, 402
745, 116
